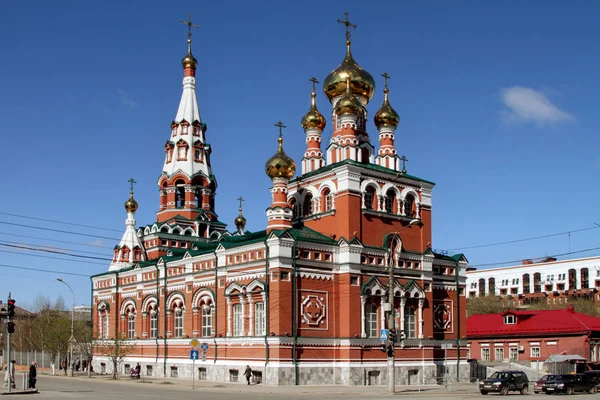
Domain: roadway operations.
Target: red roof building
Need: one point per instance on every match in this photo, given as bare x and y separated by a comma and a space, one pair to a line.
533, 335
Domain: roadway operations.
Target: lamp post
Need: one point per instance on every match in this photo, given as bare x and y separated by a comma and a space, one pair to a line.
393, 249
72, 324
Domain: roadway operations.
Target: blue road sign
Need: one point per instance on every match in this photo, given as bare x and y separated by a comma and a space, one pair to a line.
194, 354
204, 346
383, 334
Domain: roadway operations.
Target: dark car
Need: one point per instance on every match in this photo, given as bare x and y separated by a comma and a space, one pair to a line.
569, 384
594, 376
538, 386
505, 381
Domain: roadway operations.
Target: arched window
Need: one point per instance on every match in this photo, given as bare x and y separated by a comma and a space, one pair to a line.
390, 198
481, 287
198, 198
410, 323
169, 151
164, 229
179, 193
104, 325
308, 204
371, 320
259, 319
296, 210
409, 203
178, 322
492, 286
131, 325
526, 284
182, 149
237, 320
327, 200
206, 321
198, 151
369, 197
153, 324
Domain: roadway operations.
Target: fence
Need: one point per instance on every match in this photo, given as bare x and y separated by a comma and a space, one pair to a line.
42, 359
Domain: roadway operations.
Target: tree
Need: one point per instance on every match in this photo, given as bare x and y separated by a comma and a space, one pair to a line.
84, 342
115, 350
487, 305
51, 330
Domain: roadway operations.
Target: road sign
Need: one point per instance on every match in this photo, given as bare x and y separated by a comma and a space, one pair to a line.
383, 334
204, 347
446, 345
203, 356
194, 354
194, 343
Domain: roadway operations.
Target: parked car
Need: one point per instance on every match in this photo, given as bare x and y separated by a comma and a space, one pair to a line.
505, 381
569, 384
538, 386
595, 376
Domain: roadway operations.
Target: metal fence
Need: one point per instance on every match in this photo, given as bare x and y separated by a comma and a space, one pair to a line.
42, 359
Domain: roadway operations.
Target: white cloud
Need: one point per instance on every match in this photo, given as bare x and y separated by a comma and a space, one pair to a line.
126, 99
529, 105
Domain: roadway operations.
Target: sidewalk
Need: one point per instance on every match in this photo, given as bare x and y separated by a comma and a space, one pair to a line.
321, 391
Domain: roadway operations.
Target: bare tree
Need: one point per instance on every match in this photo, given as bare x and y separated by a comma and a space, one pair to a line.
84, 342
115, 350
50, 331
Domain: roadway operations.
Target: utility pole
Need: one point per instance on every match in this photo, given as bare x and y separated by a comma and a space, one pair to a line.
391, 359
9, 366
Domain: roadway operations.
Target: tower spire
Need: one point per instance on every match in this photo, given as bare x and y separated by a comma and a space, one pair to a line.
240, 221
386, 120
313, 123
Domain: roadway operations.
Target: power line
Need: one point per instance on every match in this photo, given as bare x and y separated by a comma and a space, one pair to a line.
59, 222
518, 261
57, 230
16, 246
42, 270
59, 250
523, 240
57, 241
50, 257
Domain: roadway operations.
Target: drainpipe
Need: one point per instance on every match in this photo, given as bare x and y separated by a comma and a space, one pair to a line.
215, 319
294, 317
267, 326
117, 307
157, 304
165, 323
457, 323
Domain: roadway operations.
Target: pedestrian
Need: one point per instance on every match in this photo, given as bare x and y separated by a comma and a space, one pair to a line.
248, 373
77, 364
32, 375
138, 369
11, 373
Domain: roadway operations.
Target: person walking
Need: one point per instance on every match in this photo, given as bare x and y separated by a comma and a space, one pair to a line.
248, 373
32, 375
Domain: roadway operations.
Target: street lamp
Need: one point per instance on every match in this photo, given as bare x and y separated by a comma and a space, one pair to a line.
72, 324
393, 249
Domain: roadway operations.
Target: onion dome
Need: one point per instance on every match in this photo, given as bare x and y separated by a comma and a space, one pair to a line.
131, 205
189, 61
348, 104
313, 118
240, 222
280, 165
386, 116
361, 82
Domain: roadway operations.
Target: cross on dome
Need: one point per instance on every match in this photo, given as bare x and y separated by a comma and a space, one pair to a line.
132, 182
241, 199
385, 79
190, 25
314, 82
281, 126
348, 25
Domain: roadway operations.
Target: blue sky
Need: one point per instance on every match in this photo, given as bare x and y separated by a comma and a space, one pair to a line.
498, 105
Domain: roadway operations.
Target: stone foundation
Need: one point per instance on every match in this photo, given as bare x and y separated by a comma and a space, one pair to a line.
285, 374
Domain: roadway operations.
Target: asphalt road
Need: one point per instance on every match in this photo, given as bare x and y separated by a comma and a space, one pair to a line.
101, 388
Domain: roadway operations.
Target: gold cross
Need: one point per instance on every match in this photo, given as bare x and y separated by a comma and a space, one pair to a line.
190, 25
281, 126
314, 81
385, 78
131, 181
348, 25
240, 199
404, 160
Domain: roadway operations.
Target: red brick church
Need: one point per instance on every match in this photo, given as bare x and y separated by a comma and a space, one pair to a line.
301, 301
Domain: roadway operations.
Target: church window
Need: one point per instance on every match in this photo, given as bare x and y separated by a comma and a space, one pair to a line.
169, 152
327, 200
182, 151
237, 320
179, 194
259, 322
184, 128
410, 323
198, 196
389, 201
178, 322
153, 324
174, 130
409, 203
308, 204
369, 197
206, 321
198, 151
131, 325
371, 320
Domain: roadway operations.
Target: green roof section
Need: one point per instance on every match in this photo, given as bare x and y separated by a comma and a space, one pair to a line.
373, 167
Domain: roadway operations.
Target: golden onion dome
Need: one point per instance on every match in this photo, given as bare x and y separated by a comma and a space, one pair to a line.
313, 118
348, 104
189, 60
131, 205
361, 82
240, 222
386, 116
280, 165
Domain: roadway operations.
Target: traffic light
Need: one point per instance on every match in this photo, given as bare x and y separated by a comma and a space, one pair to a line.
11, 308
10, 327
392, 336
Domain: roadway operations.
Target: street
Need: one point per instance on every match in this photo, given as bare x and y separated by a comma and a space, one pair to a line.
61, 387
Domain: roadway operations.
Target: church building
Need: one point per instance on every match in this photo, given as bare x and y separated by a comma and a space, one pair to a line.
302, 301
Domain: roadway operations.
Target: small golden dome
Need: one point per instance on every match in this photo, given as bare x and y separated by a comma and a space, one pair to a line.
280, 165
361, 82
131, 205
240, 222
348, 104
386, 116
313, 118
189, 60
